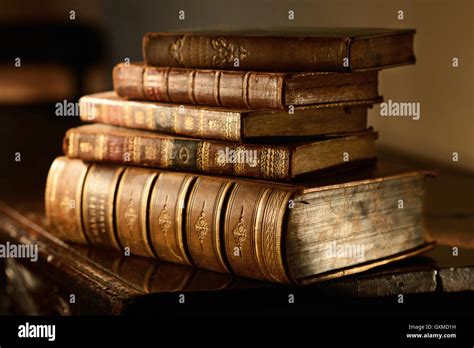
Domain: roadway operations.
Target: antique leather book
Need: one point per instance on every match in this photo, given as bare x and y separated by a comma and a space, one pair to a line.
309, 49
104, 282
107, 282
104, 143
280, 233
242, 89
225, 123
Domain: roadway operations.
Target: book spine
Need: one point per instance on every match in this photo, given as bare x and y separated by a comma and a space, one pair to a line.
167, 204
63, 197
253, 230
98, 205
203, 227
246, 53
217, 224
230, 89
131, 207
132, 74
226, 158
163, 118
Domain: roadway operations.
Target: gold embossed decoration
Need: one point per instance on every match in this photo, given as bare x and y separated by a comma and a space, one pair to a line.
166, 150
240, 232
274, 163
271, 233
139, 117
176, 50
85, 147
226, 52
131, 214
188, 123
201, 226
183, 155
150, 152
239, 165
164, 221
202, 156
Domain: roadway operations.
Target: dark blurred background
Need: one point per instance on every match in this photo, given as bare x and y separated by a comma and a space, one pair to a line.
68, 48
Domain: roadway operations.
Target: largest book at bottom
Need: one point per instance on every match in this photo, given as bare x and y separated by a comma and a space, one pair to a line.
275, 232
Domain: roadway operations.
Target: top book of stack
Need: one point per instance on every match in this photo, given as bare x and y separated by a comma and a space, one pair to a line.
317, 50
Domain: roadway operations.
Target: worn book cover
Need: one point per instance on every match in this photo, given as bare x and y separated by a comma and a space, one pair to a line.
280, 161
312, 49
225, 123
242, 89
280, 233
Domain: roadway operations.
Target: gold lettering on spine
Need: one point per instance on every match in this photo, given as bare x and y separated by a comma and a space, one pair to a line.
97, 203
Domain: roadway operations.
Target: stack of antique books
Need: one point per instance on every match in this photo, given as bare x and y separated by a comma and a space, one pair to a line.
259, 159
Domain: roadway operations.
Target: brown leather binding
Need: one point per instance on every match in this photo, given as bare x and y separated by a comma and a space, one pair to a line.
241, 223
241, 89
203, 222
253, 231
309, 50
224, 123
63, 198
98, 205
131, 210
187, 120
166, 214
281, 162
